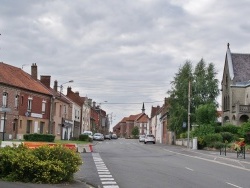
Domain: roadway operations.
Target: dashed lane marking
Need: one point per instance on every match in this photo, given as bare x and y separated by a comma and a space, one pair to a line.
105, 177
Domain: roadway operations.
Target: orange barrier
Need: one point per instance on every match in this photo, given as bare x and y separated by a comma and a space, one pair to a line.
33, 145
91, 148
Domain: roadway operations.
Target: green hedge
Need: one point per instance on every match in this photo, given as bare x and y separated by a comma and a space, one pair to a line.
41, 165
39, 137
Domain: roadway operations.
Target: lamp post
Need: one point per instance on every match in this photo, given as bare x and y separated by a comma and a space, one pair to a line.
5, 110
61, 86
189, 88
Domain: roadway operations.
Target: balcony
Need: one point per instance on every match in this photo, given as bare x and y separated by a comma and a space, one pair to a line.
244, 108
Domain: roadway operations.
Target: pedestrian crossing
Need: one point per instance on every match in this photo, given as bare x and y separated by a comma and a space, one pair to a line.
105, 176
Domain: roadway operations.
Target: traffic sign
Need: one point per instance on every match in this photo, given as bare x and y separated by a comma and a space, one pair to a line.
2, 109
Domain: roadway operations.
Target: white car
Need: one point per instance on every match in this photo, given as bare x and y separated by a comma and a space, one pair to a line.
98, 136
141, 138
149, 138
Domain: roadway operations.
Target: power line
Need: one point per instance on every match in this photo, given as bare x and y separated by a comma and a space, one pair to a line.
131, 102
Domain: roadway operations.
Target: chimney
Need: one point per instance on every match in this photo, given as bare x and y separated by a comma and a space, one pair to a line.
68, 90
77, 93
34, 71
94, 103
90, 102
45, 80
55, 85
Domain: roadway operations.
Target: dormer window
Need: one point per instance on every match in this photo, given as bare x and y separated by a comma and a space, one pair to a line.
5, 99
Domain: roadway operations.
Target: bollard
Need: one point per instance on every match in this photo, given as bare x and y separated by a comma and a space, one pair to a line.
91, 147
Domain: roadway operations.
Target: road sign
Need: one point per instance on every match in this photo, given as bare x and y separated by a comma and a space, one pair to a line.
2, 109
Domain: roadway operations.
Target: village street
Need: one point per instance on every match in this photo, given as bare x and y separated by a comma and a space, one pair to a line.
125, 163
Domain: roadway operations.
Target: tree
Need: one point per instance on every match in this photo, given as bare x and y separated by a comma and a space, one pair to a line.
135, 131
205, 85
204, 90
205, 114
179, 98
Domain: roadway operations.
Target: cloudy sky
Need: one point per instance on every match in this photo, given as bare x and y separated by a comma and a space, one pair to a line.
125, 52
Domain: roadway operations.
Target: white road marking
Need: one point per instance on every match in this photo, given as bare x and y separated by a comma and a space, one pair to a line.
189, 169
108, 182
233, 185
106, 178
196, 157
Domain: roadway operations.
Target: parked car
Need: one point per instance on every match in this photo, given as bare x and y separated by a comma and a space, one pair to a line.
114, 136
141, 138
149, 138
98, 136
89, 133
107, 136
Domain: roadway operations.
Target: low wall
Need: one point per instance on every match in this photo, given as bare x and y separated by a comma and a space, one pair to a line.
184, 142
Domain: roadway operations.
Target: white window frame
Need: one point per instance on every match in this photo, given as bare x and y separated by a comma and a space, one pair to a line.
16, 101
30, 99
43, 106
5, 97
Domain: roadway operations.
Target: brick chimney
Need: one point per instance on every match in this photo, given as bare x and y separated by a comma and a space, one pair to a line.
34, 71
55, 85
77, 93
45, 80
68, 90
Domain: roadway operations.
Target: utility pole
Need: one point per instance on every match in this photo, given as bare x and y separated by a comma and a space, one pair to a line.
189, 88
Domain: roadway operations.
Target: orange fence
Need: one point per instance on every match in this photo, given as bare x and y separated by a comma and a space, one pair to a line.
33, 145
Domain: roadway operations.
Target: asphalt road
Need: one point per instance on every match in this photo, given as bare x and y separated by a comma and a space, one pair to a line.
126, 163
133, 164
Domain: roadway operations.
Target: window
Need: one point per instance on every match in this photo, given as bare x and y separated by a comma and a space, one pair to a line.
60, 111
2, 124
30, 103
16, 101
21, 124
28, 128
65, 109
22, 100
41, 127
5, 97
43, 106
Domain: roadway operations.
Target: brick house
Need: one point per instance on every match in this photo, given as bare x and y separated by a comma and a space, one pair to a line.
61, 113
235, 87
27, 98
125, 126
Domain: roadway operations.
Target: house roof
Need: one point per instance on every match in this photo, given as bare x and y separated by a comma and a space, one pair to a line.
239, 66
16, 77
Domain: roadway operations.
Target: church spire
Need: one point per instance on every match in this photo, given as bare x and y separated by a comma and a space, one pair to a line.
143, 108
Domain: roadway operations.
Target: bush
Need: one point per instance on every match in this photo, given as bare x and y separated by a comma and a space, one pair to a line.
230, 128
211, 138
183, 135
83, 137
41, 165
244, 129
39, 137
227, 136
216, 145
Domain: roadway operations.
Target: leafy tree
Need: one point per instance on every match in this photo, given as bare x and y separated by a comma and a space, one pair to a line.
206, 114
204, 90
205, 85
135, 131
179, 98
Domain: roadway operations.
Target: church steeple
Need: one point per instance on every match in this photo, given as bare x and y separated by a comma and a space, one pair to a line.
143, 108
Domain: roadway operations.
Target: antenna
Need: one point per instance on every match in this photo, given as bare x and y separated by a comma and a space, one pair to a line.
24, 65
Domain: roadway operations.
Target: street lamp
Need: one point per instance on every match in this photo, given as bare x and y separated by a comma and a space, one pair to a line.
61, 86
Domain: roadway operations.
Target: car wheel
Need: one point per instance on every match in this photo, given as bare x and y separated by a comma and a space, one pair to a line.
153, 142
145, 142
